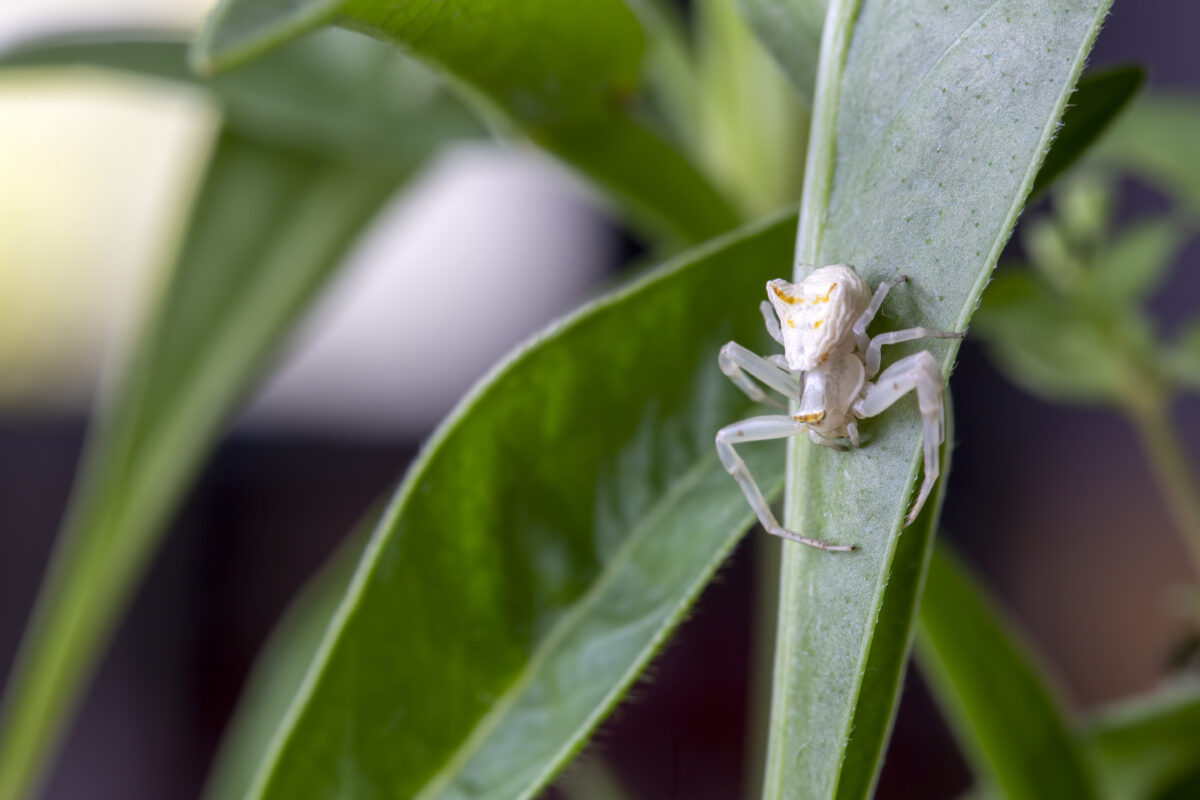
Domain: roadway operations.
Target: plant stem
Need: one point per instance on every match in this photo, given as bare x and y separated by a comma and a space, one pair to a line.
1176, 479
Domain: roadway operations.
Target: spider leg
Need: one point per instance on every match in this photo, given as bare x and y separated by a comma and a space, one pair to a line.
852, 431
864, 319
736, 361
817, 438
895, 337
771, 321
758, 429
919, 371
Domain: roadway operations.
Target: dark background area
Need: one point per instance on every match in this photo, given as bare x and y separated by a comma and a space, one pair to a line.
1054, 505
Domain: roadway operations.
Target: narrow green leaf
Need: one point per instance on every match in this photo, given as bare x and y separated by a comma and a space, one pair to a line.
1183, 359
1158, 138
930, 122
566, 74
332, 94
1098, 101
554, 530
1134, 263
791, 30
1149, 745
1004, 713
754, 127
1046, 345
239, 31
279, 671
267, 230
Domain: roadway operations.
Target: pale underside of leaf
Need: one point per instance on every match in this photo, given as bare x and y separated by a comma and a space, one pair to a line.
929, 129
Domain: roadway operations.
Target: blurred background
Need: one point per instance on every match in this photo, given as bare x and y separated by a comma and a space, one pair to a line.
1055, 505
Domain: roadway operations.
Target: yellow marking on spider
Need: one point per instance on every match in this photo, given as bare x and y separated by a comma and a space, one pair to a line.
784, 296
791, 323
816, 324
825, 299
816, 416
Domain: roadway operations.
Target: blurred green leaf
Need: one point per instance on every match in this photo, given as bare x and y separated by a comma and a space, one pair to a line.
279, 671
1133, 264
1183, 358
754, 128
267, 230
1003, 710
332, 94
1158, 138
554, 530
791, 30
1084, 206
1048, 346
567, 74
1098, 101
1052, 255
927, 134
1147, 747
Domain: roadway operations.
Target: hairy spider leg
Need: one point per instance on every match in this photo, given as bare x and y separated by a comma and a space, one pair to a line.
864, 319
918, 371
771, 320
758, 429
734, 359
895, 337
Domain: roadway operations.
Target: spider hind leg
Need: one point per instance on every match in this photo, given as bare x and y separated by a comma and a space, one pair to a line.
759, 429
918, 372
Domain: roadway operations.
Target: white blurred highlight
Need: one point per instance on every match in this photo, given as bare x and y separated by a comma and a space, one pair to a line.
96, 170
491, 244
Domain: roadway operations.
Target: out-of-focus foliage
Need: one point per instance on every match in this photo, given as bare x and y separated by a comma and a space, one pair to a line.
1148, 747
270, 225
1071, 325
1005, 714
568, 75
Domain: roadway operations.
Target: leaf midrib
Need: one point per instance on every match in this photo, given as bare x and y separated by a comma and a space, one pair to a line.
479, 736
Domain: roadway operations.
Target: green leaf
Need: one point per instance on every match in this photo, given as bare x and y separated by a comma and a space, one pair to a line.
279, 671
1183, 359
754, 128
332, 94
1133, 264
554, 530
267, 230
1158, 139
1147, 745
791, 30
1048, 346
1098, 101
1003, 710
930, 123
566, 74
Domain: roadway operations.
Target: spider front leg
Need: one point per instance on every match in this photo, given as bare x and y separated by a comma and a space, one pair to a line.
919, 371
771, 320
736, 361
758, 429
864, 319
873, 350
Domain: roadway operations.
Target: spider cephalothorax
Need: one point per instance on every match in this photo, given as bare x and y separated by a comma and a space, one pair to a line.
816, 314
826, 370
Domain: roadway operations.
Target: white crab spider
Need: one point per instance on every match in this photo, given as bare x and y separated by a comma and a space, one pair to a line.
826, 367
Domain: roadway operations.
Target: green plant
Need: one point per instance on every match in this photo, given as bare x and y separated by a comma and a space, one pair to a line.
531, 564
